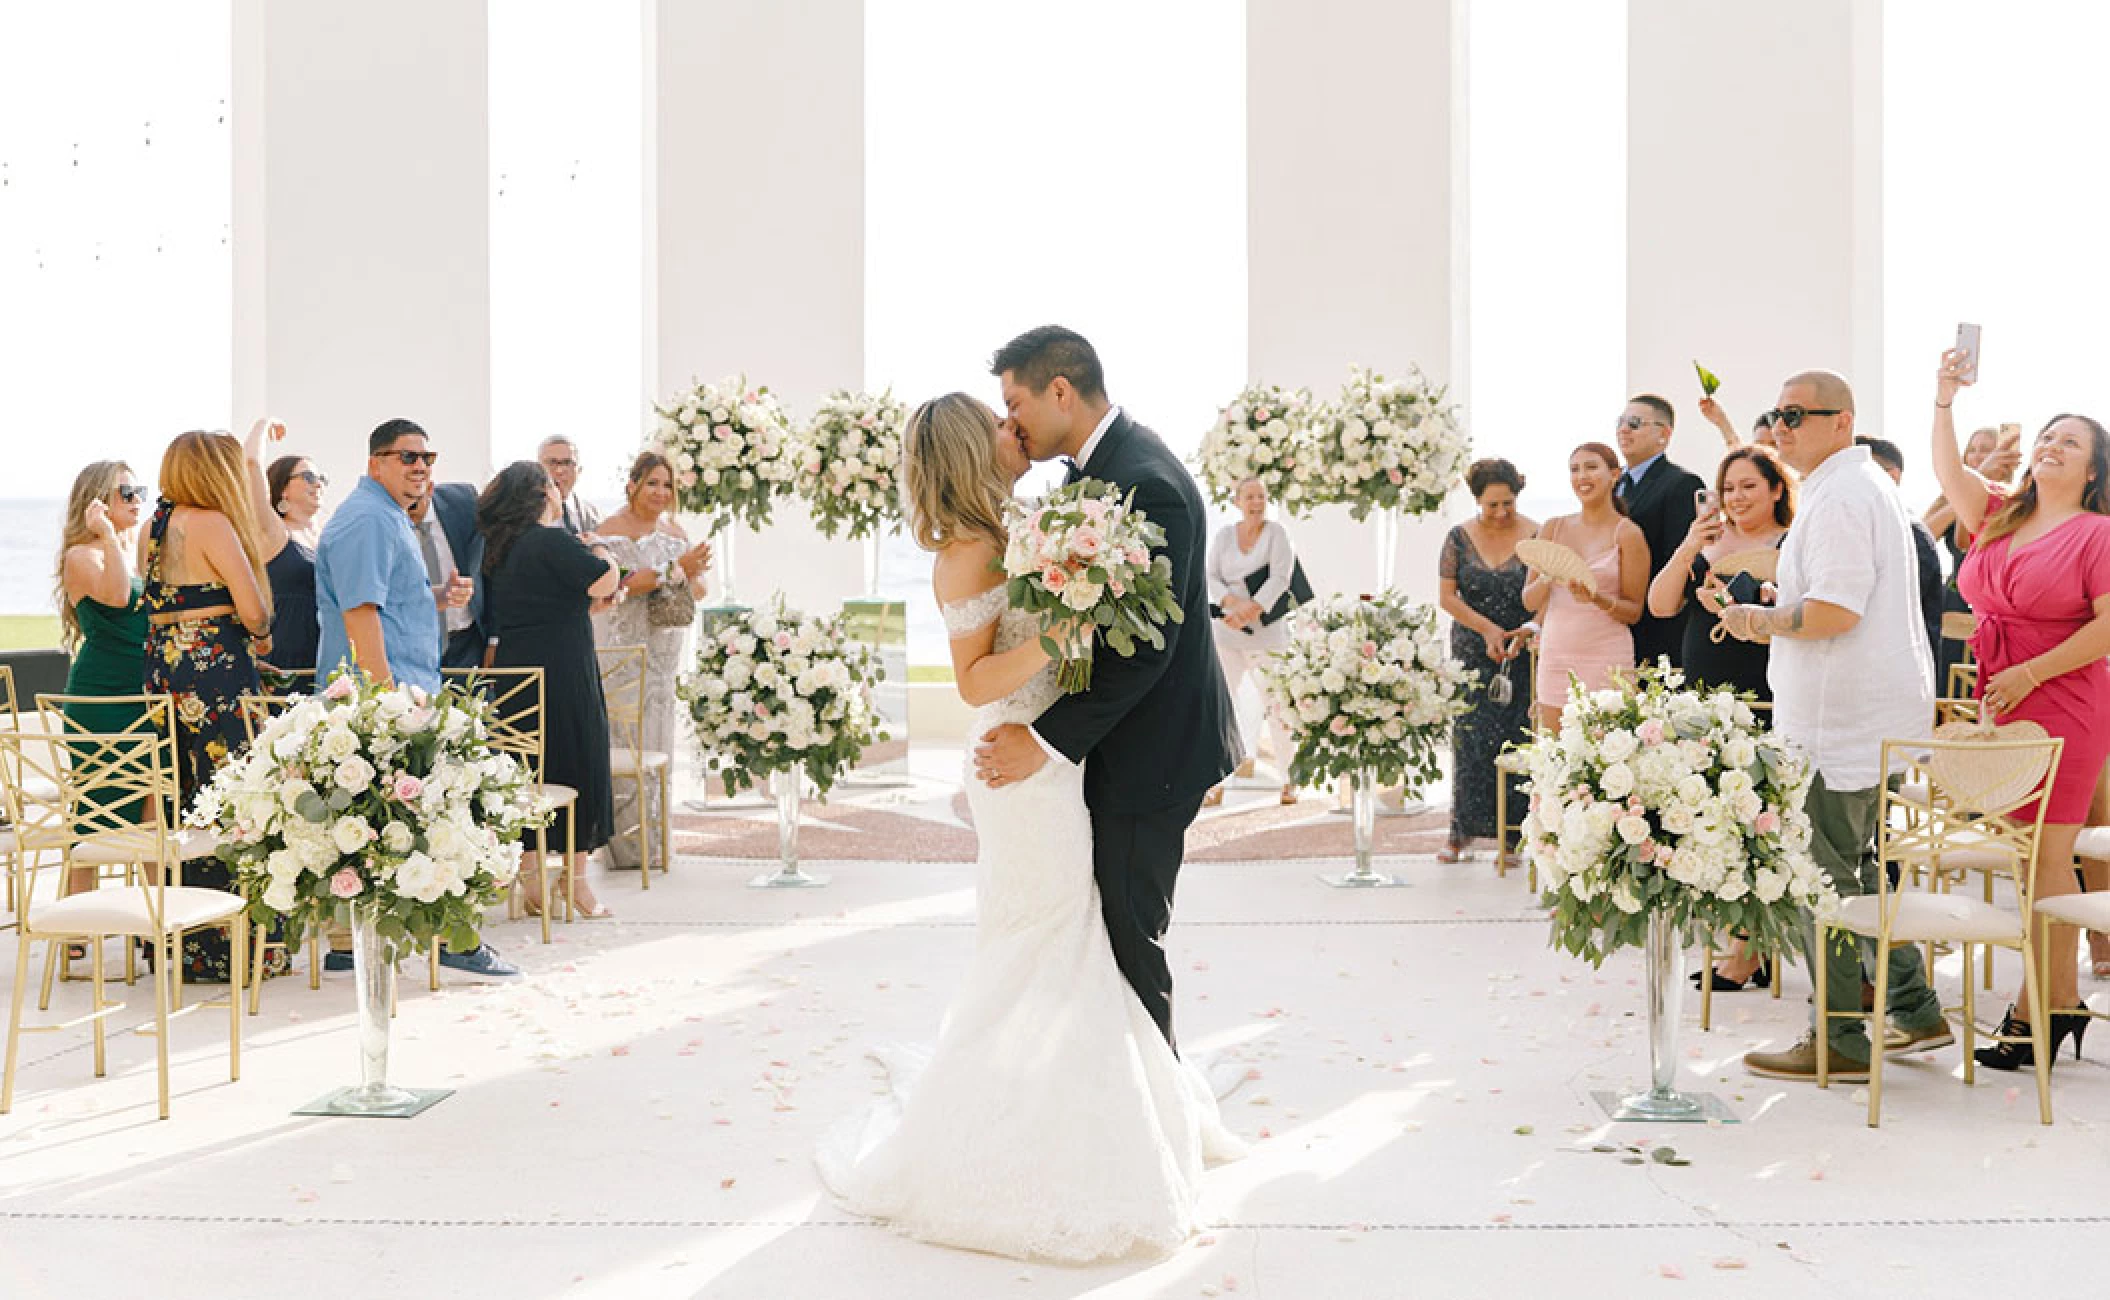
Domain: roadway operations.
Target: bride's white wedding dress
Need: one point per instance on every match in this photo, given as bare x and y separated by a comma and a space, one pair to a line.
1051, 1121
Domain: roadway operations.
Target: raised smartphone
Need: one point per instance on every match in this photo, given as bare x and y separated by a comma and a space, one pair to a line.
1967, 343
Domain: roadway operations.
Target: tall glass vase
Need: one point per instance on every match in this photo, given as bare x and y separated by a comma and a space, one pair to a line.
872, 545
1387, 549
373, 985
788, 875
1664, 966
728, 592
1364, 813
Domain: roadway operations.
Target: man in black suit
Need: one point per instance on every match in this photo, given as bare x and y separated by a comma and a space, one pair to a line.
1659, 496
1155, 732
445, 526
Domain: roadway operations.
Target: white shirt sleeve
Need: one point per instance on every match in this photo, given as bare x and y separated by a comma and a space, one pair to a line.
1840, 555
1219, 554
1053, 753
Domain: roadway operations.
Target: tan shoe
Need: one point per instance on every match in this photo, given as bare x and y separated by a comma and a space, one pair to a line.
1799, 1064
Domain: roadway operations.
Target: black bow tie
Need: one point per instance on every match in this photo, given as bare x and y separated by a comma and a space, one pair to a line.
1071, 471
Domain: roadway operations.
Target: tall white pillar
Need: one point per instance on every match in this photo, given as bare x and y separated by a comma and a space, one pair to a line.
362, 226
756, 251
1355, 212
1754, 203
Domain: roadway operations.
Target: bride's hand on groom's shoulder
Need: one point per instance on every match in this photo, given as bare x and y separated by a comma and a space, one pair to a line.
1007, 755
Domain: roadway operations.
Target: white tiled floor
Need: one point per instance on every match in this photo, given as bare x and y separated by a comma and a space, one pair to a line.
634, 1118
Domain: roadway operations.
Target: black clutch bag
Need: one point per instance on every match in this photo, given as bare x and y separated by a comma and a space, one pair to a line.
1299, 592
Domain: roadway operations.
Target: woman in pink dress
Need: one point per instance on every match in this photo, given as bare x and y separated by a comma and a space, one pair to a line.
1586, 628
2038, 577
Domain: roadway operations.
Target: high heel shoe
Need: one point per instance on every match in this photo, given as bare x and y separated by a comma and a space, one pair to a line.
1758, 979
2022, 1055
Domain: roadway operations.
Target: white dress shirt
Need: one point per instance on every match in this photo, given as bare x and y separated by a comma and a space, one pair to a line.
455, 619
1840, 698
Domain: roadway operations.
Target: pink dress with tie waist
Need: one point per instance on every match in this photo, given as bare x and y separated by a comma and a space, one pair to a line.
1582, 639
2028, 601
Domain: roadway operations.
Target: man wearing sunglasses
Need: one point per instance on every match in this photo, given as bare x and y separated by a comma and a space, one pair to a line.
1660, 497
1849, 667
375, 598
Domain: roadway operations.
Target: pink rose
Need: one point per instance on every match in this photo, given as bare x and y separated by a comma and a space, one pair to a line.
688, 478
1369, 649
723, 433
1766, 822
1138, 556
1341, 726
346, 883
783, 641
1087, 542
339, 688
1117, 587
1395, 476
1094, 509
1261, 415
407, 787
1054, 578
1651, 732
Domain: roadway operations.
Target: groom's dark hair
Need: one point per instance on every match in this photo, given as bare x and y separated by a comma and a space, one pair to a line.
1037, 356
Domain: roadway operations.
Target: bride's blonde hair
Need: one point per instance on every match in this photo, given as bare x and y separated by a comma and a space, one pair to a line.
951, 484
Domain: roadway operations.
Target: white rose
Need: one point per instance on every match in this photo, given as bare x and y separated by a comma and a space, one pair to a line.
351, 834
339, 744
280, 895
1617, 781
1632, 829
1768, 884
1618, 746
397, 838
1739, 753
353, 775
419, 878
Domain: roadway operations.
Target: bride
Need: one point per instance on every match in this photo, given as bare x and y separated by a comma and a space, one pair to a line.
1052, 1121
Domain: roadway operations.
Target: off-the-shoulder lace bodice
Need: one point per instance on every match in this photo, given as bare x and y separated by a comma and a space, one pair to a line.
1014, 627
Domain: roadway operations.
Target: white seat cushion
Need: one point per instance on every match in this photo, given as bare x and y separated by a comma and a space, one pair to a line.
117, 848
1921, 917
2093, 842
560, 796
124, 910
628, 762
2090, 910
1913, 791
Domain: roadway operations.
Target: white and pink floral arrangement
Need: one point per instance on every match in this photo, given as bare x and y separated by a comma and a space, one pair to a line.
732, 448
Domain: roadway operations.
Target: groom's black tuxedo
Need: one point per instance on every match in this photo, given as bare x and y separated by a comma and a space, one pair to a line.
1155, 731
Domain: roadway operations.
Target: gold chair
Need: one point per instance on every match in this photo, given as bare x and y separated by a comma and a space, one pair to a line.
623, 685
1975, 779
103, 780
1511, 762
40, 798
516, 697
256, 711
2090, 911
1961, 625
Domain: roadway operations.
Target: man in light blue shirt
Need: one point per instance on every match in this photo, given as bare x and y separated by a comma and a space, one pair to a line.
375, 600
371, 589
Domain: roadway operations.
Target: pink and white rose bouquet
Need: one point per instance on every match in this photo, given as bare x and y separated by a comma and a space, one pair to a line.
1084, 560
1265, 433
1654, 797
847, 461
1390, 444
732, 448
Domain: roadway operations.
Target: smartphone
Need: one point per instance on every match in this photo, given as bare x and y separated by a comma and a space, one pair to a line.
1967, 343
2010, 437
1705, 502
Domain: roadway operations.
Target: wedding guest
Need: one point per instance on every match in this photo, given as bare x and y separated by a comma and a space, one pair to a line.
444, 522
1241, 614
559, 457
208, 606
656, 605
1658, 495
1848, 670
1588, 626
2038, 576
288, 497
1481, 582
1926, 554
377, 606
1761, 431
1995, 462
543, 581
1754, 502
101, 620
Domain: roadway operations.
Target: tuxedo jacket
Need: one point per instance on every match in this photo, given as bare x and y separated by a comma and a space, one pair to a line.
1661, 505
1155, 730
455, 504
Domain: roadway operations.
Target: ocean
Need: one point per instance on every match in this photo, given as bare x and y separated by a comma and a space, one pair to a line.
29, 552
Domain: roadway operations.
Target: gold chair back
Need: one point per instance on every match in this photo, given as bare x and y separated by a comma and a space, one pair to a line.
623, 686
517, 700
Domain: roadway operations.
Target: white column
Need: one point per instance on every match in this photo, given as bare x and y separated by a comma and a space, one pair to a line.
1355, 211
1754, 202
362, 226
756, 246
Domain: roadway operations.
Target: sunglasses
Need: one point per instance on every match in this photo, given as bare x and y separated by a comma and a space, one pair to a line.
131, 493
560, 462
1633, 422
313, 479
1793, 416
413, 457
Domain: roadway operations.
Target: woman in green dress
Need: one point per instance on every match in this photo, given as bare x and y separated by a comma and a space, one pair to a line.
99, 610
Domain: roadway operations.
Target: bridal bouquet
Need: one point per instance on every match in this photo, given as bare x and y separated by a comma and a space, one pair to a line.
376, 795
1369, 686
732, 449
847, 463
1082, 561
1266, 434
1390, 445
772, 690
1656, 798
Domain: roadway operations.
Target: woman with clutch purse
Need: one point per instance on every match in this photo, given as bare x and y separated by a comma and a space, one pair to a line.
655, 606
1481, 582
1251, 573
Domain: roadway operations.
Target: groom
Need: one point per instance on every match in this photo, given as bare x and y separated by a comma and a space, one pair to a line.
1155, 732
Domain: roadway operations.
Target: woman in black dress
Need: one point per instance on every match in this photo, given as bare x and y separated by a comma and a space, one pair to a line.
1754, 502
1483, 592
540, 584
288, 499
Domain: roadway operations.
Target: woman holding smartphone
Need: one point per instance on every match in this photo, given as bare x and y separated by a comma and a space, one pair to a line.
1749, 509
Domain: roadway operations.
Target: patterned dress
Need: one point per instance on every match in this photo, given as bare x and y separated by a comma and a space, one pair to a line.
1477, 738
205, 665
630, 624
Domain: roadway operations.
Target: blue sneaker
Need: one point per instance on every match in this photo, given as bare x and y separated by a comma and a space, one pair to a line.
337, 961
482, 961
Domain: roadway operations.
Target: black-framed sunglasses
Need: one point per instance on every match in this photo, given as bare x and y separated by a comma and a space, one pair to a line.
1632, 423
132, 493
1793, 416
317, 480
413, 457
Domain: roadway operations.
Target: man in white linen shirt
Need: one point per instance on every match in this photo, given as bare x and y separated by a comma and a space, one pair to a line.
1849, 669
